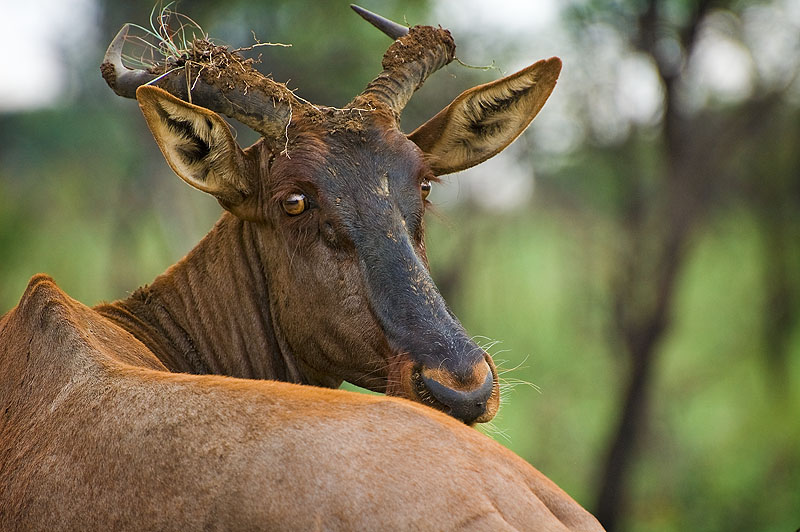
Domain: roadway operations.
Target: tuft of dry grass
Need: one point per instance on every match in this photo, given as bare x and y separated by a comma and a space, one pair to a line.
167, 41
175, 41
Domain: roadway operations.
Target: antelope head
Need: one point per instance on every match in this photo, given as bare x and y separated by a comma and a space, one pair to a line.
336, 199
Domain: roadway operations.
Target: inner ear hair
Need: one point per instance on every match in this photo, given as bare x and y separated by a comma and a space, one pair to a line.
483, 120
197, 144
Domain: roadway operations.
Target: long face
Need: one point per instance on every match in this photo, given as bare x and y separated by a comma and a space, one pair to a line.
338, 198
344, 241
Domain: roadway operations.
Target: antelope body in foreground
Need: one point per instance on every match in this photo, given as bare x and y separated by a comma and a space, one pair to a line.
164, 411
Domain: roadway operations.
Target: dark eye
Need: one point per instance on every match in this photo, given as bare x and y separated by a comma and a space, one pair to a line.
426, 188
295, 204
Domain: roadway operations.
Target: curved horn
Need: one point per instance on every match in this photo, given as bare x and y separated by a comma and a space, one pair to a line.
122, 81
416, 53
236, 89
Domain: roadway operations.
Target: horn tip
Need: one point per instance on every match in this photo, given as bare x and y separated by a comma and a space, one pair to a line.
122, 34
361, 11
392, 29
113, 54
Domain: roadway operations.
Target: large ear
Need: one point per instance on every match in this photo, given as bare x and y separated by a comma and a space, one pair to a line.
197, 144
482, 121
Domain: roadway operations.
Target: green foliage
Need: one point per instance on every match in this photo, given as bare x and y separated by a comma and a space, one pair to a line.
721, 433
98, 213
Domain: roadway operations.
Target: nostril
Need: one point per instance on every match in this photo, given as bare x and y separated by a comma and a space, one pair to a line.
464, 405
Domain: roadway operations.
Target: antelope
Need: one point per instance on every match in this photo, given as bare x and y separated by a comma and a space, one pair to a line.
207, 399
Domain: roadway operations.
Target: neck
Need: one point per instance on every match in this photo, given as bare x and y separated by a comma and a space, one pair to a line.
210, 313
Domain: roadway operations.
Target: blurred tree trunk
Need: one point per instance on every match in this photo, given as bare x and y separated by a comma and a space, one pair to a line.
777, 208
701, 169
657, 227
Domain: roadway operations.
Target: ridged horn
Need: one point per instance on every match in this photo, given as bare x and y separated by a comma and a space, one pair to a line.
236, 89
416, 53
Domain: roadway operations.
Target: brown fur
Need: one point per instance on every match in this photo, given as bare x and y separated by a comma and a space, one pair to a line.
96, 436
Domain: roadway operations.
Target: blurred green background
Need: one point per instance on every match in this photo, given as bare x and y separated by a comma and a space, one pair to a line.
636, 253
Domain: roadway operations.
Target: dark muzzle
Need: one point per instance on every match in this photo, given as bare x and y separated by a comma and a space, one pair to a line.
466, 405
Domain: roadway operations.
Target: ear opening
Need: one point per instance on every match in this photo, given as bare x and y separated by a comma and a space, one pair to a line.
197, 144
483, 120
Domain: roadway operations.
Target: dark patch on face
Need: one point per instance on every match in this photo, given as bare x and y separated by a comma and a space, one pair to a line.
354, 180
371, 190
